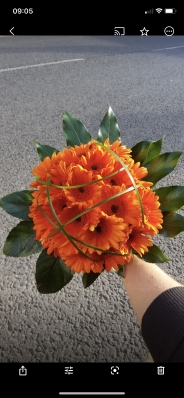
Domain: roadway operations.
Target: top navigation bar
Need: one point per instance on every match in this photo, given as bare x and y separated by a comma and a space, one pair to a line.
91, 20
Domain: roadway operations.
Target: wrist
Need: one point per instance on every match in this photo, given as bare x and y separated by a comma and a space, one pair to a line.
143, 283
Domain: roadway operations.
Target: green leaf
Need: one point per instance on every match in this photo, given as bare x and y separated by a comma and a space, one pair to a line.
173, 224
89, 278
140, 151
75, 132
120, 272
153, 150
155, 255
109, 128
20, 241
171, 198
17, 204
51, 273
44, 150
144, 151
161, 166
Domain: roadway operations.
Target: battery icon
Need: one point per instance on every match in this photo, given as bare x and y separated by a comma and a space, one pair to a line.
170, 10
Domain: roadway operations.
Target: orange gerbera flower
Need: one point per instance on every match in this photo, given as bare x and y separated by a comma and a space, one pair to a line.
42, 171
59, 174
125, 206
114, 226
88, 220
138, 242
136, 172
42, 225
108, 232
39, 196
119, 178
78, 263
67, 156
153, 217
121, 150
112, 260
80, 151
84, 196
97, 159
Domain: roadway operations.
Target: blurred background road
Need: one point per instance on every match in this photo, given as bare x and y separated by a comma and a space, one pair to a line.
142, 79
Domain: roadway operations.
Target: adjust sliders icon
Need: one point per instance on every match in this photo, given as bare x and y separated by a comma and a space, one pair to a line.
119, 31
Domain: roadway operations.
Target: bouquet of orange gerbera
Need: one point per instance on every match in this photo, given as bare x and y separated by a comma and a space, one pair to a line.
93, 205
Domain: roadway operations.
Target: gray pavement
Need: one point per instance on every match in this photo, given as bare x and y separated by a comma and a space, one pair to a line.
142, 78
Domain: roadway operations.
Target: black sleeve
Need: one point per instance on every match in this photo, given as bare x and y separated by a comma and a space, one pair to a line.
163, 326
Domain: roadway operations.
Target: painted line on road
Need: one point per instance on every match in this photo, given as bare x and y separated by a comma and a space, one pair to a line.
167, 48
37, 65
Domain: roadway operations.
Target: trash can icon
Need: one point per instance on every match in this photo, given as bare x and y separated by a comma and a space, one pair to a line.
160, 370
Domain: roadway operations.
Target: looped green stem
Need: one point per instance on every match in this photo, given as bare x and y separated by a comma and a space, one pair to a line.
70, 237
81, 185
61, 228
129, 174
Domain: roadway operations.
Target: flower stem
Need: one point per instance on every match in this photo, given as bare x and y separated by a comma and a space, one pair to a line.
81, 185
129, 174
61, 226
100, 203
70, 237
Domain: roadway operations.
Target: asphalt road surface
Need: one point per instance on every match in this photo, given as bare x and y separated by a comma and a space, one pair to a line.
142, 79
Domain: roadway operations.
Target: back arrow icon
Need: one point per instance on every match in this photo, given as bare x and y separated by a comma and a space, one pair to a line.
11, 31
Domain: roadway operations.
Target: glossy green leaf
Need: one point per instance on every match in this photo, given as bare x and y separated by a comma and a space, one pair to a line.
155, 255
89, 278
75, 132
144, 151
109, 128
120, 272
140, 151
161, 166
171, 198
153, 150
173, 224
51, 273
17, 204
20, 241
44, 150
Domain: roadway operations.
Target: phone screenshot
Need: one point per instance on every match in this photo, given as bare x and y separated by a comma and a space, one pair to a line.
91, 199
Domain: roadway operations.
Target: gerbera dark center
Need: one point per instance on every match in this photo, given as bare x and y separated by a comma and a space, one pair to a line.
114, 208
94, 167
98, 229
63, 206
81, 189
113, 182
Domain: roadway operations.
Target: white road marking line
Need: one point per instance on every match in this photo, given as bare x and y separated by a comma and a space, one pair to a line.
48, 63
166, 48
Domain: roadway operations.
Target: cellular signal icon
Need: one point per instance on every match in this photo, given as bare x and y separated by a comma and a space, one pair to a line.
159, 10
119, 31
150, 11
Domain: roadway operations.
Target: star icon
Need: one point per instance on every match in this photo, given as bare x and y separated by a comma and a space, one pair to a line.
144, 32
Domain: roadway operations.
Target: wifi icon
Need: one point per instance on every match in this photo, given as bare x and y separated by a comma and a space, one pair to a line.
159, 10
